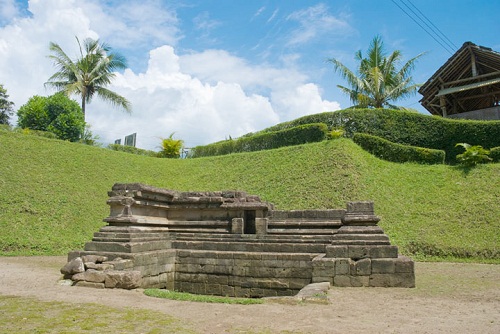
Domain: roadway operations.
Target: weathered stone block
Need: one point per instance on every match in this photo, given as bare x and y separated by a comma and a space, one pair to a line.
123, 279
90, 284
99, 266
241, 292
94, 259
319, 279
361, 206
237, 226
342, 280
337, 251
342, 267
362, 267
358, 252
404, 265
227, 290
90, 276
359, 281
213, 289
384, 266
74, 266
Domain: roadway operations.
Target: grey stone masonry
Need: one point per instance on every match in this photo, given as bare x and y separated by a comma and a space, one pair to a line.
362, 253
233, 244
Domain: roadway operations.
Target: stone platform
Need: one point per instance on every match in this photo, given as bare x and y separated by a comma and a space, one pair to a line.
233, 244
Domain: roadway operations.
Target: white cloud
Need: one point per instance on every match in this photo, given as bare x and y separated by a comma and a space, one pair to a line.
314, 22
203, 96
9, 9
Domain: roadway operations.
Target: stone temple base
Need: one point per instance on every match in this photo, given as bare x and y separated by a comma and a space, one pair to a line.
232, 244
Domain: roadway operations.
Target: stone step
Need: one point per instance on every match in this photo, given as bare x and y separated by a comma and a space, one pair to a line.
269, 238
250, 247
302, 231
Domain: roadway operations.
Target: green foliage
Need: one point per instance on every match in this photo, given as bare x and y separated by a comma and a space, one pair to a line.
437, 205
335, 133
407, 128
88, 75
6, 106
302, 134
390, 151
170, 147
378, 80
56, 114
133, 150
184, 296
88, 138
473, 155
495, 154
29, 132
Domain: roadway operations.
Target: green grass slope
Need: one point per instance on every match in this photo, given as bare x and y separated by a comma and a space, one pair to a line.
53, 193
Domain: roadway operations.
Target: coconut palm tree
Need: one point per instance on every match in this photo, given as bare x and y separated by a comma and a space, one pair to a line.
89, 74
378, 80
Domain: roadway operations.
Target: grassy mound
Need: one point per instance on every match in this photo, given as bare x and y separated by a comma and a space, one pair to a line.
53, 193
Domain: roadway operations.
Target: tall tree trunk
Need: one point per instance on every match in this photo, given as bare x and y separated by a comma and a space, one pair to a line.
83, 107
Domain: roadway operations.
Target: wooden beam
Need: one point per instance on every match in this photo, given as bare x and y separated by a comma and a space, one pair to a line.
492, 93
475, 78
473, 65
457, 89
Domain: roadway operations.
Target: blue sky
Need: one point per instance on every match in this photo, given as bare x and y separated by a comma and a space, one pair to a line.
210, 69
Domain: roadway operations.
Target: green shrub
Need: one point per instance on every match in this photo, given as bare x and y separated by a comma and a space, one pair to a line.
495, 154
133, 150
302, 134
394, 152
407, 128
170, 147
473, 155
335, 133
57, 114
39, 133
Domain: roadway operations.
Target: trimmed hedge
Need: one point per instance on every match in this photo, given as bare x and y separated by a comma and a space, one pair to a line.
407, 128
133, 150
495, 154
394, 152
302, 134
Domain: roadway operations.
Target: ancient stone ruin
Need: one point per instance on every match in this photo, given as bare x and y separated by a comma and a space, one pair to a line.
233, 244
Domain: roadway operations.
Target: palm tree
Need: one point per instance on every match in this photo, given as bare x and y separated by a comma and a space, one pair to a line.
378, 80
89, 74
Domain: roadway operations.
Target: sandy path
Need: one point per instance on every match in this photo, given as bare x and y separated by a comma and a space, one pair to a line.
449, 298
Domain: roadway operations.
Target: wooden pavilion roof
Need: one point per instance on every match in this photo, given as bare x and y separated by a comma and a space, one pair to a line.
469, 80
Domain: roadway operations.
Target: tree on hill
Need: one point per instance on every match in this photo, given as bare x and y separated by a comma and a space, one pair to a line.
6, 106
378, 80
89, 74
57, 114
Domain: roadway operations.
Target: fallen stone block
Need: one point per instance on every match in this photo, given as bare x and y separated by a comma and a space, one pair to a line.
74, 266
123, 279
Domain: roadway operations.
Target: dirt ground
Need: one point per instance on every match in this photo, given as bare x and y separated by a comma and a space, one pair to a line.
449, 298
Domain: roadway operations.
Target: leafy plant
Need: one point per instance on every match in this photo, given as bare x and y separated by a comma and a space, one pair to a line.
89, 74
335, 133
6, 106
57, 114
297, 135
473, 155
387, 150
378, 80
170, 147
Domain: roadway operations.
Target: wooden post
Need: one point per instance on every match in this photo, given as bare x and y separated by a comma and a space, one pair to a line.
442, 102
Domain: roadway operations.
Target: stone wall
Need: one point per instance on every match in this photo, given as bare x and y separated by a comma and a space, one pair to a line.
230, 243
